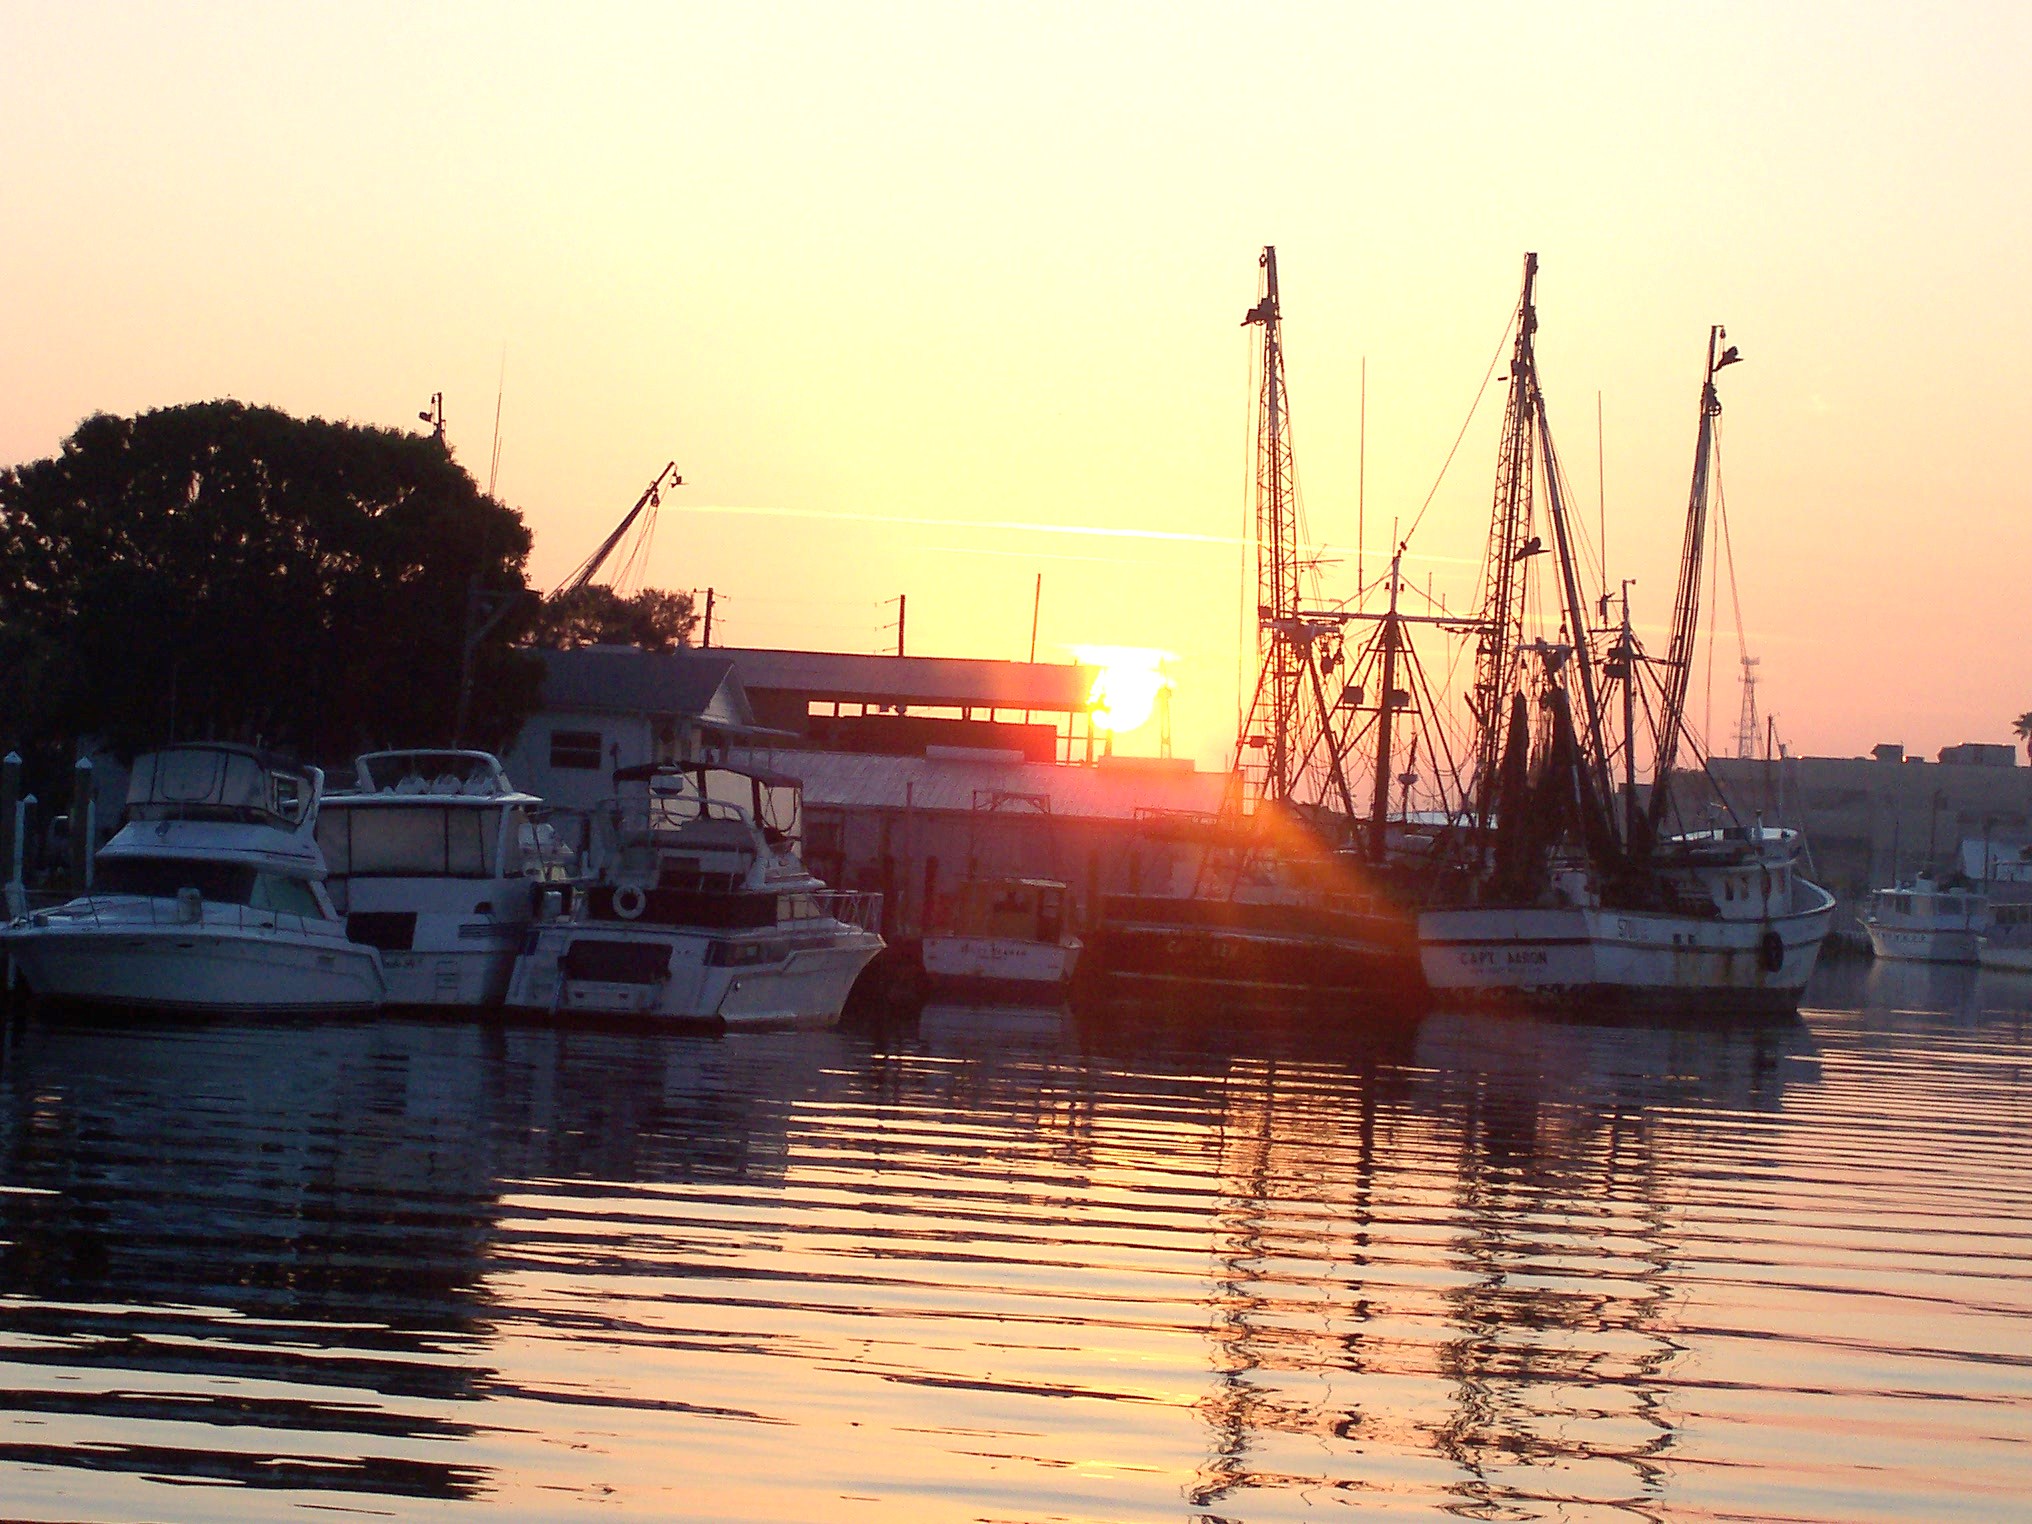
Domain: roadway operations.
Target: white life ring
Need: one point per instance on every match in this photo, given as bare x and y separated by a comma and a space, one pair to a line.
630, 902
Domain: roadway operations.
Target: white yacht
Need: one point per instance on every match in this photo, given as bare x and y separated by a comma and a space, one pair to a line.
210, 897
1927, 921
1741, 932
1004, 939
432, 858
701, 910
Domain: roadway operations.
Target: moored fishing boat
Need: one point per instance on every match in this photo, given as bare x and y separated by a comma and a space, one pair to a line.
210, 897
1572, 889
1004, 939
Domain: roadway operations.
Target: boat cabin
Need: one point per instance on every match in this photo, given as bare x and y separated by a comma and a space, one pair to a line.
699, 826
1016, 909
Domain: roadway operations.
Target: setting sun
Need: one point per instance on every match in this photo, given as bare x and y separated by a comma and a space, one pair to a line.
1126, 686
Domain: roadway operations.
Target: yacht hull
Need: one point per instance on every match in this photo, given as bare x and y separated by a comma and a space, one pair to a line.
691, 977
196, 968
445, 977
1596, 957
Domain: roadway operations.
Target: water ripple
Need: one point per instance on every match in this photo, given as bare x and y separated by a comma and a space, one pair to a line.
1115, 1269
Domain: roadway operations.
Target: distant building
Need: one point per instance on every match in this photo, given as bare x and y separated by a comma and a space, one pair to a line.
1979, 754
900, 705
917, 771
605, 707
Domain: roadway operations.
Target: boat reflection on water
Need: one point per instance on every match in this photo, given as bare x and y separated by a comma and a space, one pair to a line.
272, 1241
1012, 1264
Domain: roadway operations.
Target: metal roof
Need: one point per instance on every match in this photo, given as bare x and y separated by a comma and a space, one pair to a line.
854, 780
961, 681
698, 685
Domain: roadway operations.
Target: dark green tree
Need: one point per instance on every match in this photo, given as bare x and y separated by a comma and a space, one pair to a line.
219, 570
594, 615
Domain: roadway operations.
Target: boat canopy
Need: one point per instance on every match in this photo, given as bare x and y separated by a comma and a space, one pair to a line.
219, 782
427, 771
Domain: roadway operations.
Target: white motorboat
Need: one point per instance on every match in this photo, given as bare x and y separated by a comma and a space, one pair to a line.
210, 897
1739, 931
432, 859
1004, 939
2007, 943
1927, 921
701, 910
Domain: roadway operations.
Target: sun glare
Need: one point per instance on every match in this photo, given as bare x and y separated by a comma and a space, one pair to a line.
1126, 686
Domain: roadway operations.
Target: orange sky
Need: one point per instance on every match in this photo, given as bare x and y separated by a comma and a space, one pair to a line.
919, 297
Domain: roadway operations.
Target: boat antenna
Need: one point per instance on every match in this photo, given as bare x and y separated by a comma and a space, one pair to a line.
494, 457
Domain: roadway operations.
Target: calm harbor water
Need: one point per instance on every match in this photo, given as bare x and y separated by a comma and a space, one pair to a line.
1010, 1267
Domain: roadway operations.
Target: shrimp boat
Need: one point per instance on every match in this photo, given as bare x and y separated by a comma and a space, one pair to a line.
1276, 908
1570, 888
209, 898
700, 911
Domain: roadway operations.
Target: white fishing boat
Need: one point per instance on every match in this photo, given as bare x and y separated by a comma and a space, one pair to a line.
701, 910
1927, 921
1740, 932
1004, 939
1573, 890
210, 897
432, 859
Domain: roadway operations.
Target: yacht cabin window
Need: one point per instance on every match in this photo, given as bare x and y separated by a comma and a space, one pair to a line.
219, 883
411, 841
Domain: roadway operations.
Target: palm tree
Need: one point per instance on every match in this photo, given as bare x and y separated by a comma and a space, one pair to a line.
2023, 726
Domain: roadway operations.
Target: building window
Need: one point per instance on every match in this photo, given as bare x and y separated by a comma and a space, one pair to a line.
575, 748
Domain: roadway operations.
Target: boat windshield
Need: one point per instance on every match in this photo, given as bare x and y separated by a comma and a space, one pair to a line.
718, 793
204, 783
221, 883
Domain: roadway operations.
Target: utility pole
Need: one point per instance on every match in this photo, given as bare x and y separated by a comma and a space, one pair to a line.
708, 638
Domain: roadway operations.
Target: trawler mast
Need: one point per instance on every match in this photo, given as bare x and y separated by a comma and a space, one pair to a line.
1289, 717
1686, 607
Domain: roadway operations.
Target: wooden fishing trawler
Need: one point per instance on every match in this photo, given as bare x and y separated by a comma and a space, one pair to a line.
1570, 888
1281, 904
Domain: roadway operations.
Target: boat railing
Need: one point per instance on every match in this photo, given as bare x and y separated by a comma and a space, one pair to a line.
861, 908
122, 910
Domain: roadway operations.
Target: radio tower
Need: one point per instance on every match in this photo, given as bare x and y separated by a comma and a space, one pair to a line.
1746, 727
1287, 720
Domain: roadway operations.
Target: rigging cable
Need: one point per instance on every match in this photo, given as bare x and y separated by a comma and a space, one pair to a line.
1509, 326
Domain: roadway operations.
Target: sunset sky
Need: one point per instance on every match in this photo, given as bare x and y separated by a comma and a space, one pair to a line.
929, 300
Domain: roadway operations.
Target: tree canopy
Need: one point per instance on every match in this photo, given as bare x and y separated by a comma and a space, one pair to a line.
655, 619
229, 571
